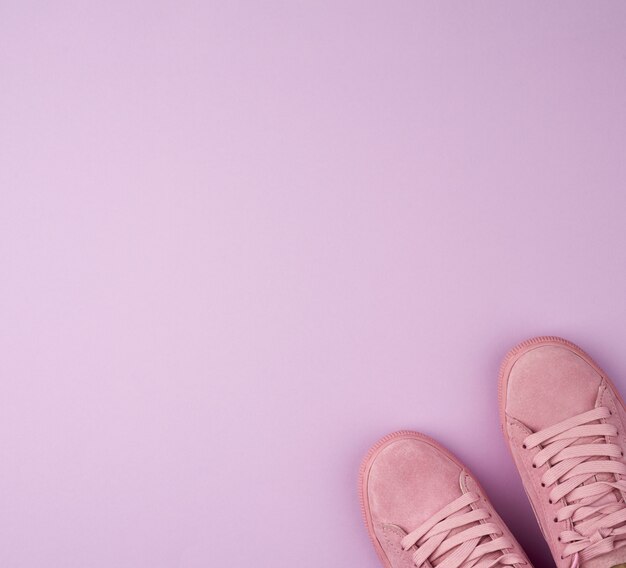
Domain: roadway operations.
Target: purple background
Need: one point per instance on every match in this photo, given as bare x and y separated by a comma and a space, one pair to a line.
240, 241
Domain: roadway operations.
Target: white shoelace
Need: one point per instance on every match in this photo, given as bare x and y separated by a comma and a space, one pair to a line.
434, 539
577, 451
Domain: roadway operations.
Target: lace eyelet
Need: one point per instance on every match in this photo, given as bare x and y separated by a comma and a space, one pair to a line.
550, 501
543, 484
524, 446
556, 520
534, 466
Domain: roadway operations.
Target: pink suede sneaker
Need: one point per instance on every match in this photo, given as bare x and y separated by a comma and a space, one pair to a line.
423, 509
565, 425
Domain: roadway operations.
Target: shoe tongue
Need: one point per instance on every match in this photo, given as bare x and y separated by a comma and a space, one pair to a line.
492, 556
611, 497
613, 559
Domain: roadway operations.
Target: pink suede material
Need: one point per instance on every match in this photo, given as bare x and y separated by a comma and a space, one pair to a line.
549, 384
538, 496
545, 383
391, 537
409, 480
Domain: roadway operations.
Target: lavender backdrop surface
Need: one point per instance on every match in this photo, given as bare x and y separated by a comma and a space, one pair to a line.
240, 241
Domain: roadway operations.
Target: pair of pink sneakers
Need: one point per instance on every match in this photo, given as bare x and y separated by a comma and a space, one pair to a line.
565, 425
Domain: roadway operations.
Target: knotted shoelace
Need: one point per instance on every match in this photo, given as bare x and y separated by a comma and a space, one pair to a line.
577, 451
434, 539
